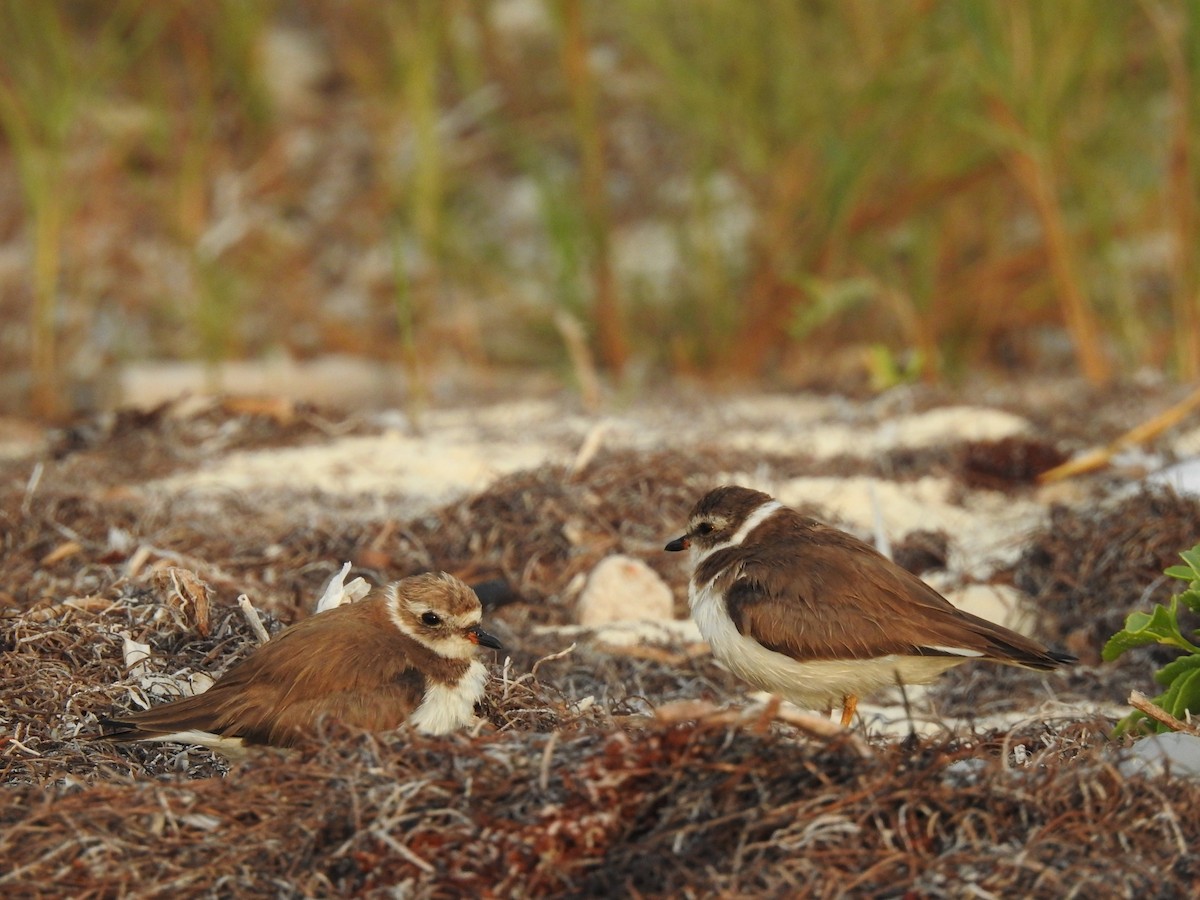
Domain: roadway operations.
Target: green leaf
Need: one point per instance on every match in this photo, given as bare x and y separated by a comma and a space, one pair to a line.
1191, 598
1181, 676
1189, 697
1155, 627
1124, 641
1192, 558
1177, 668
1180, 694
1161, 623
1136, 622
1184, 572
1136, 722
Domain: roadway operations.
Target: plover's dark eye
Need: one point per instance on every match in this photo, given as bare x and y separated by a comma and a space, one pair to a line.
431, 619
704, 528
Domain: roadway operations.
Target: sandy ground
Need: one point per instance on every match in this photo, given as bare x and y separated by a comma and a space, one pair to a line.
268, 498
454, 453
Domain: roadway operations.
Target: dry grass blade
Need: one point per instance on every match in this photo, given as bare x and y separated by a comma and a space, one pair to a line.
1139, 434
253, 619
1141, 702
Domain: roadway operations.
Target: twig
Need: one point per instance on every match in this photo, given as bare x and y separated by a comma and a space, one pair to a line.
553, 656
654, 653
547, 755
24, 749
694, 711
581, 358
251, 615
590, 446
1096, 459
382, 836
704, 712
1143, 704
137, 560
31, 486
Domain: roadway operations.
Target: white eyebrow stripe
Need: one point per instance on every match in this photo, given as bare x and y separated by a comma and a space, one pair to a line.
393, 610
753, 520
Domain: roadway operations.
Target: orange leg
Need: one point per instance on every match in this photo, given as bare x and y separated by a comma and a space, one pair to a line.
849, 705
770, 711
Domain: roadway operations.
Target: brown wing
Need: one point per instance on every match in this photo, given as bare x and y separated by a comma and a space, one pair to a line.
831, 596
341, 667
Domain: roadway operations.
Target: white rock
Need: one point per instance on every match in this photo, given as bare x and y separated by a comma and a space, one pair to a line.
624, 589
1184, 477
1151, 756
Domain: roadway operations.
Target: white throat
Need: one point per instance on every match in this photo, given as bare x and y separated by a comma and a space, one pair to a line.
447, 707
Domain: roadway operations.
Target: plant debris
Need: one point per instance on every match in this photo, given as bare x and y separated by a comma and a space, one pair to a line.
1008, 463
1092, 566
573, 783
658, 811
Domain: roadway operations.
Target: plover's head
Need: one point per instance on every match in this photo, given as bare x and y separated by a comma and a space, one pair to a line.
440, 612
722, 518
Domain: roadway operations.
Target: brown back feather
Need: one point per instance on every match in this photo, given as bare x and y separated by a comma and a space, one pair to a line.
349, 663
831, 596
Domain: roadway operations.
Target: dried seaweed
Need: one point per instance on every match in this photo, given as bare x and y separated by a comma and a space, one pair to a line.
570, 786
657, 811
1007, 463
1091, 566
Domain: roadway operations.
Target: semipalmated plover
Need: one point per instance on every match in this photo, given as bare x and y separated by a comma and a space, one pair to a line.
810, 613
405, 654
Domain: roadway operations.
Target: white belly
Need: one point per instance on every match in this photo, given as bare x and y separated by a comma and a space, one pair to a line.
814, 684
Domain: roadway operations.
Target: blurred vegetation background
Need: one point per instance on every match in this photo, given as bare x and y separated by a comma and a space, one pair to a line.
797, 191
